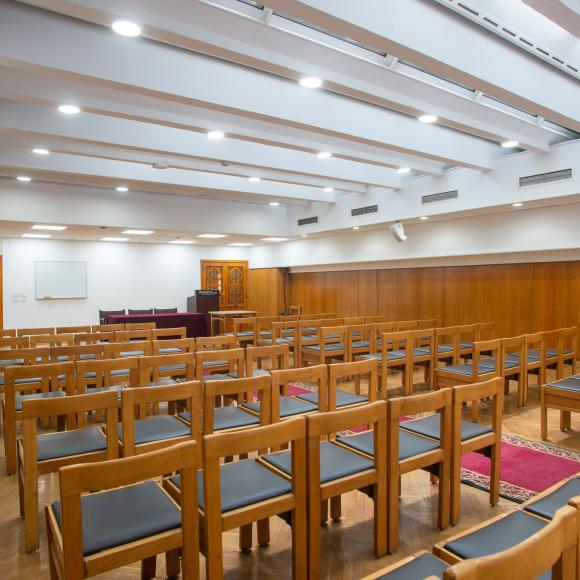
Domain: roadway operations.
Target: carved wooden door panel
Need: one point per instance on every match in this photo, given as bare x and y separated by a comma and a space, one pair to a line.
230, 278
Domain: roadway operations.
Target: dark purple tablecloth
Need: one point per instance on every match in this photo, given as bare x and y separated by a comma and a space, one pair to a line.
194, 322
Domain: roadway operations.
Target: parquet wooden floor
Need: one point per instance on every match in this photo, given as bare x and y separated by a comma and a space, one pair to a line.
346, 545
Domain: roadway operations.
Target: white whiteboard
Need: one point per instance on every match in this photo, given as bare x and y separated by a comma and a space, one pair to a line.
57, 280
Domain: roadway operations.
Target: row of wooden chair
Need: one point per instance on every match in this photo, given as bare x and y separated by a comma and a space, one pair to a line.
76, 329
541, 538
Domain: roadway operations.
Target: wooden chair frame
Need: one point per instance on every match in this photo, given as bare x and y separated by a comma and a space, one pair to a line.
72, 329
183, 344
220, 342
34, 331
140, 347
50, 340
421, 338
74, 353
234, 361
94, 338
137, 335
517, 344
107, 327
140, 325
360, 333
278, 354
240, 326
14, 342
327, 335
103, 369
28, 356
565, 400
151, 367
7, 332
171, 333
355, 370
399, 341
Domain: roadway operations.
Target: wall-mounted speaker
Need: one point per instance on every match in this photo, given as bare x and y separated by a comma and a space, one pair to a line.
398, 231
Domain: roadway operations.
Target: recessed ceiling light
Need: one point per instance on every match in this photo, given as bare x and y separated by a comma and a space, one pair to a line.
121, 189
138, 232
303, 235
310, 82
356, 228
24, 178
510, 144
50, 228
424, 218
428, 118
182, 242
274, 239
40, 151
274, 203
403, 170
126, 28
114, 239
254, 178
240, 244
324, 154
215, 135
328, 189
212, 236
36, 236
517, 204
69, 109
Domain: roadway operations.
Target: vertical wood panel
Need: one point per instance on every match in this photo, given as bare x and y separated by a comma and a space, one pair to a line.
515, 300
431, 292
387, 293
456, 299
349, 293
267, 288
332, 293
573, 279
549, 295
367, 293
408, 282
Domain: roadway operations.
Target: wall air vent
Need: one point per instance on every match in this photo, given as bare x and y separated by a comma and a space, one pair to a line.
308, 221
364, 210
443, 196
541, 178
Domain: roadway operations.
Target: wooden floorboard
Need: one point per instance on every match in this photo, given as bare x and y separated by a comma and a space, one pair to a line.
346, 545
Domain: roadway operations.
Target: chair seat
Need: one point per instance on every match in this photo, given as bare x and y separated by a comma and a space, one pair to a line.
467, 369
360, 344
68, 443
391, 355
118, 388
50, 395
496, 537
423, 566
465, 345
243, 483
157, 428
11, 362
214, 363
441, 348
132, 353
228, 417
567, 384
173, 350
326, 347
289, 406
216, 377
171, 368
120, 372
161, 382
281, 340
508, 363
255, 373
515, 357
120, 516
245, 333
419, 352
546, 506
343, 398
86, 356
431, 427
410, 444
335, 462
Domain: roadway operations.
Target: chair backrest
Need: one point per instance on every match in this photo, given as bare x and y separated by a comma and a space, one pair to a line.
37, 340
94, 337
493, 348
374, 319
283, 379
150, 366
295, 310
352, 320
427, 323
25, 356
278, 354
289, 317
473, 393
554, 545
7, 332
140, 325
569, 340
284, 328
165, 310
309, 316
107, 327
240, 389
449, 335
12, 342
514, 345
132, 400
74, 353
104, 313
352, 371
141, 311
486, 331
400, 341
41, 377
100, 373
170, 333
126, 349
402, 325
34, 331
380, 329
215, 342
331, 322
133, 335
232, 358
75, 480
72, 329
358, 332
176, 344
424, 337
244, 325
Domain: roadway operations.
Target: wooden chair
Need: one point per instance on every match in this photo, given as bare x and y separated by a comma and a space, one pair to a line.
427, 323
7, 332
50, 340
354, 372
307, 335
35, 331
21, 357
74, 353
332, 344
359, 338
158, 370
311, 316
141, 435
94, 338
220, 342
173, 346
486, 331
244, 330
569, 349
295, 310
72, 329
278, 355
93, 376
127, 349
353, 320
14, 342
137, 335
122, 498
169, 333
335, 469
404, 325
514, 367
561, 394
213, 365
140, 325
264, 325
422, 353
30, 382
447, 341
534, 362
552, 352
107, 327
374, 319
46, 453
468, 436
408, 452
468, 335
238, 493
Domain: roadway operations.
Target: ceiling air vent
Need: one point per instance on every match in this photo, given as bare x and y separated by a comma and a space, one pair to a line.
308, 221
364, 210
541, 178
443, 196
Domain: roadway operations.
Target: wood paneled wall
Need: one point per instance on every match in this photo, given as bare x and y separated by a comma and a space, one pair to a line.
519, 297
268, 289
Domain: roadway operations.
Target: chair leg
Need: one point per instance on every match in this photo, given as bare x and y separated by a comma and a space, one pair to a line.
392, 511
10, 446
20, 476
443, 513
455, 489
172, 564
324, 512
30, 509
544, 421
494, 474
380, 513
148, 568
245, 539
51, 565
264, 532
300, 560
335, 508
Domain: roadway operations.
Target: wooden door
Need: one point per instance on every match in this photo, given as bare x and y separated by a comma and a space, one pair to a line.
230, 278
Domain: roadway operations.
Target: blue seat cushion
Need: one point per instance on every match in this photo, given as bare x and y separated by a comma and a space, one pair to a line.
117, 388
568, 384
546, 506
289, 406
422, 566
465, 345
391, 355
281, 340
120, 516
335, 462
217, 377
214, 363
467, 369
170, 368
67, 443
172, 350
515, 357
255, 373
87, 356
496, 537
243, 483
508, 363
120, 372
157, 428
343, 398
132, 353
326, 347
410, 444
360, 344
230, 417
441, 348
162, 382
431, 427
11, 362
50, 395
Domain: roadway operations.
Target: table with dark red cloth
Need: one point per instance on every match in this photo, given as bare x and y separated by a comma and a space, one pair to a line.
194, 322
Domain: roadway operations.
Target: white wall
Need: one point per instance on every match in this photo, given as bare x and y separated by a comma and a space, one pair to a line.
119, 276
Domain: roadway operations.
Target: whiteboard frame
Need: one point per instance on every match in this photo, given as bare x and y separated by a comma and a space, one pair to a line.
78, 297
